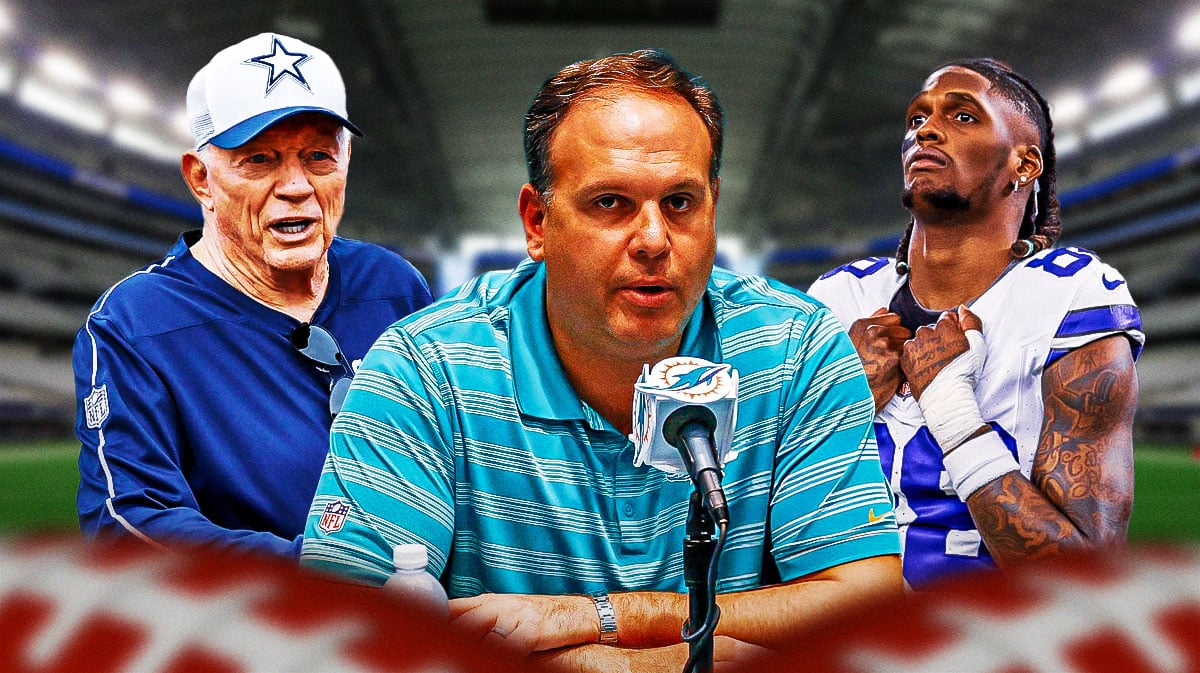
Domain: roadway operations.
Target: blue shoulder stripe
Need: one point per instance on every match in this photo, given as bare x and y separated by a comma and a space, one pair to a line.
1115, 318
1053, 356
1098, 320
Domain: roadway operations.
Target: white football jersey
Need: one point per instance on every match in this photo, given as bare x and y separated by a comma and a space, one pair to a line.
1040, 309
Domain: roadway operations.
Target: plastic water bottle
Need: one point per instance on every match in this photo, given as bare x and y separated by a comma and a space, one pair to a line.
413, 584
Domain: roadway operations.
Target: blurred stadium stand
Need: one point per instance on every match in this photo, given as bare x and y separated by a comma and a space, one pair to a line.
66, 241
67, 233
813, 103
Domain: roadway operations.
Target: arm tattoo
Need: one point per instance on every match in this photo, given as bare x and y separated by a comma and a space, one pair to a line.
1080, 493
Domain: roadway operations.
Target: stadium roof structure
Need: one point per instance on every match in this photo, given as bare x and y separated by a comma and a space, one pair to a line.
814, 90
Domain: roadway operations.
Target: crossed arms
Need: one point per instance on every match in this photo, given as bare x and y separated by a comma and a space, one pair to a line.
564, 630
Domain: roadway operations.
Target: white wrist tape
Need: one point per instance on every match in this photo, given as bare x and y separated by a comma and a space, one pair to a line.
977, 462
948, 402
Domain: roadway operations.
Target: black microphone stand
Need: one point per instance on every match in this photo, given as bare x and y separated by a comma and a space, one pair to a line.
698, 546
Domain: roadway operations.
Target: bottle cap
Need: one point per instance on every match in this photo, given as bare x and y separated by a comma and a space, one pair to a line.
410, 556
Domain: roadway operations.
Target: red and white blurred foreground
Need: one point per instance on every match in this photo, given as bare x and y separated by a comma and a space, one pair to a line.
67, 608
1132, 612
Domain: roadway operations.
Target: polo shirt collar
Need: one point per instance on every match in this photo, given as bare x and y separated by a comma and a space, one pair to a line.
541, 385
538, 377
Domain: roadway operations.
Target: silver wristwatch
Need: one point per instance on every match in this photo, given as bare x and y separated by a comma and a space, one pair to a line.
608, 618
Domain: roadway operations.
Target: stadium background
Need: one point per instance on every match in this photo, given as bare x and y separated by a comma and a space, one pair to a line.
91, 128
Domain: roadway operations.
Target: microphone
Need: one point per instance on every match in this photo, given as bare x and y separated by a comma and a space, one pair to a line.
690, 429
684, 412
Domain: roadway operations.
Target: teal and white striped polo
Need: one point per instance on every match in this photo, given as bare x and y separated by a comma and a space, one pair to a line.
462, 432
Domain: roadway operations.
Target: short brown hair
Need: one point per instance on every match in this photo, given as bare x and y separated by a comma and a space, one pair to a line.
651, 70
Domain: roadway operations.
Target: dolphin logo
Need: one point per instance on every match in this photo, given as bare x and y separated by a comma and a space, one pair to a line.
697, 377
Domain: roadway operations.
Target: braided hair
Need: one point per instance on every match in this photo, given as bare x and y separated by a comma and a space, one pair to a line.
1040, 224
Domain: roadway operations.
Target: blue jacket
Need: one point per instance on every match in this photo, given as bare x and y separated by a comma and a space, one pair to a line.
199, 422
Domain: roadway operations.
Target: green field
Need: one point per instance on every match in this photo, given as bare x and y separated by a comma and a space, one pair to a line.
1166, 495
39, 482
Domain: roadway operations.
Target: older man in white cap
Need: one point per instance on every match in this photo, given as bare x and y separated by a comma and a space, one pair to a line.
207, 380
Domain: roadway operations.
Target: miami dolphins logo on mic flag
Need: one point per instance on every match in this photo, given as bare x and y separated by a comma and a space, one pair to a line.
673, 383
700, 376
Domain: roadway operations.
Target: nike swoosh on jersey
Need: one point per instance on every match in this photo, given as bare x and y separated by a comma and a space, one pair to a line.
1111, 284
871, 518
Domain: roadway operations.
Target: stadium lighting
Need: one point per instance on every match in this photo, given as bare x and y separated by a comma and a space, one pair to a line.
1066, 144
1127, 80
1188, 33
179, 124
1068, 107
6, 21
1187, 87
64, 69
129, 98
1129, 117
732, 246
147, 143
67, 108
8, 75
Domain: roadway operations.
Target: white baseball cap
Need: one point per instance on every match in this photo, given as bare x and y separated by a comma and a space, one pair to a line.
258, 81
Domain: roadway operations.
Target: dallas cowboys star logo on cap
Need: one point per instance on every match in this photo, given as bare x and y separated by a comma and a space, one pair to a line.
281, 63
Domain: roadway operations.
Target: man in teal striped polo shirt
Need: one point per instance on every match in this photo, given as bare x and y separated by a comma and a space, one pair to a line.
493, 427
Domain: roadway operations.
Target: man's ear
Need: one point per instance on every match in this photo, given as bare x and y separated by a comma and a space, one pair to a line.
1029, 162
195, 174
532, 208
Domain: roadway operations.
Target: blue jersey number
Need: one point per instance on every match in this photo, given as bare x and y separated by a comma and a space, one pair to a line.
859, 269
938, 512
1063, 262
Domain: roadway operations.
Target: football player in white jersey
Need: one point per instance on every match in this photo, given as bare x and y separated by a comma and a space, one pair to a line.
1002, 367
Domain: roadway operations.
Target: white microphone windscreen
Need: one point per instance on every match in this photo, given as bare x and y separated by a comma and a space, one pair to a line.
678, 382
